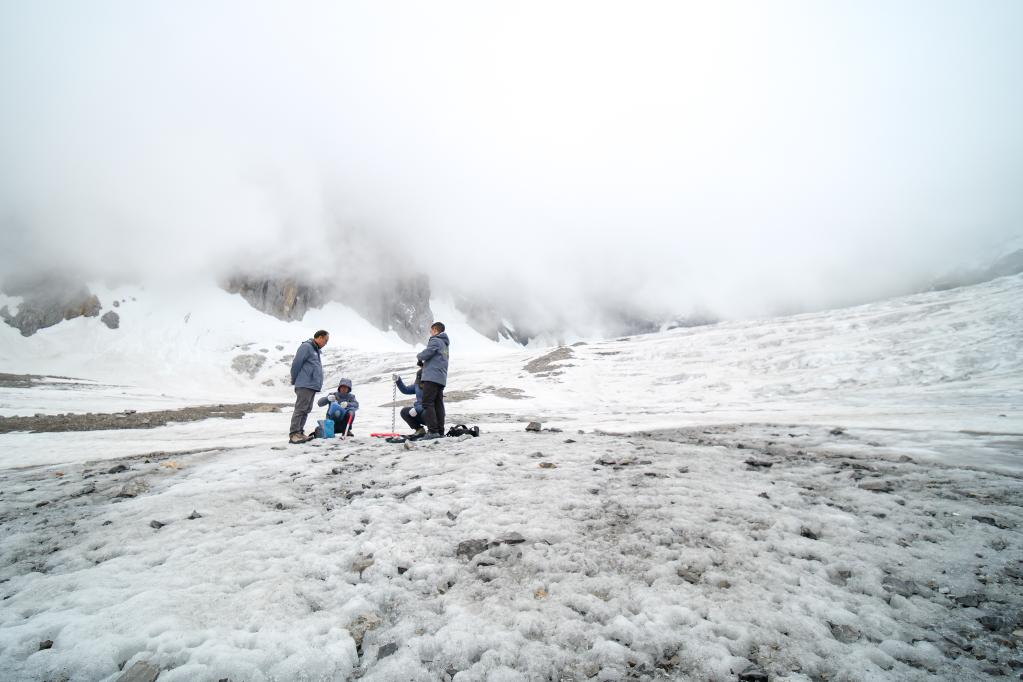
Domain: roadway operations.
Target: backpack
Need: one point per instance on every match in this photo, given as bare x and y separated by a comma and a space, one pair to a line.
462, 429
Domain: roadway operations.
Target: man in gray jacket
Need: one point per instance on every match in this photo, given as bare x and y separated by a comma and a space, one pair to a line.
435, 377
307, 378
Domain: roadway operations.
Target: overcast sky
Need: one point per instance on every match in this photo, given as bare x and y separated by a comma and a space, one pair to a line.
734, 156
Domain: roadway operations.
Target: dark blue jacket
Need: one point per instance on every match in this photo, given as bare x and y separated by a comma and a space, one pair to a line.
435, 359
306, 368
353, 403
414, 389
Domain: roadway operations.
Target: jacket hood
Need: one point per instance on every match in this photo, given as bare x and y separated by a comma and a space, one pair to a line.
345, 382
443, 336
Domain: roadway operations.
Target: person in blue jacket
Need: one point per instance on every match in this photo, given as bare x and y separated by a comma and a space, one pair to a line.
413, 415
307, 378
343, 405
435, 377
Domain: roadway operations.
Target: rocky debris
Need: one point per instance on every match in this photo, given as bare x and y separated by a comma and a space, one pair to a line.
877, 486
971, 600
156, 524
552, 363
410, 491
534, 427
548, 465
837, 431
140, 672
386, 650
808, 534
111, 319
510, 539
46, 302
194, 515
758, 464
753, 674
846, 634
130, 419
991, 521
48, 644
403, 568
451, 515
362, 624
470, 548
133, 489
120, 468
248, 364
903, 588
994, 622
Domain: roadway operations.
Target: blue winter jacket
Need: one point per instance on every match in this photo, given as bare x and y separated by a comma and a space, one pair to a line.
435, 359
414, 389
353, 403
306, 369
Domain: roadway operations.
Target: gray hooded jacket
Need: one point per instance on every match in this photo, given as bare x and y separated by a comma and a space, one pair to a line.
435, 359
306, 368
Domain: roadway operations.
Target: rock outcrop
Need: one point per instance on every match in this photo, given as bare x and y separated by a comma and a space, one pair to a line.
284, 298
48, 302
401, 305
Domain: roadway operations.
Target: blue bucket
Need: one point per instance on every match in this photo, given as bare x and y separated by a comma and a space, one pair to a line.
327, 427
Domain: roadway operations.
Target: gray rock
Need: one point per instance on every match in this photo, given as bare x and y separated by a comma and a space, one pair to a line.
837, 431
111, 319
451, 515
156, 524
995, 622
753, 674
845, 634
120, 468
470, 548
534, 427
759, 464
140, 672
971, 600
48, 644
991, 521
194, 515
877, 486
509, 539
48, 301
285, 298
809, 534
133, 489
386, 650
903, 588
248, 364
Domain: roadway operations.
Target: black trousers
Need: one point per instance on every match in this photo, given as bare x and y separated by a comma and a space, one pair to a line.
433, 406
413, 422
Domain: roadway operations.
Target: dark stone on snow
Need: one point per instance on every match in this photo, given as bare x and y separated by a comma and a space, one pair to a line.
903, 588
402, 569
764, 495
837, 431
111, 319
451, 515
534, 427
470, 548
510, 539
194, 515
995, 623
140, 672
989, 521
48, 644
120, 468
753, 674
756, 463
971, 600
107, 523
569, 440
386, 650
809, 534
279, 505
157, 525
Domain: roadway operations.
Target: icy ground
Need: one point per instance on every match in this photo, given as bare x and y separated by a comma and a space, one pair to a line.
822, 497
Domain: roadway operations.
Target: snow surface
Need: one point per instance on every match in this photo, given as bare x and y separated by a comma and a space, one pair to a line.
868, 551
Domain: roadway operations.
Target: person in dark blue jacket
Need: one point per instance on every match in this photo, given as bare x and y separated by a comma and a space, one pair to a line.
307, 378
435, 377
343, 405
413, 415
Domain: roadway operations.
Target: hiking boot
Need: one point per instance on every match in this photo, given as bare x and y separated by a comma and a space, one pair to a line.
421, 431
431, 436
296, 438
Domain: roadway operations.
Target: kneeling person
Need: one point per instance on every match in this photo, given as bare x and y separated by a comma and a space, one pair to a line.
343, 406
413, 415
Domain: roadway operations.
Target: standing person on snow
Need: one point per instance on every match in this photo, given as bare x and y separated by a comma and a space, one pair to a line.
435, 376
307, 378
343, 405
413, 415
